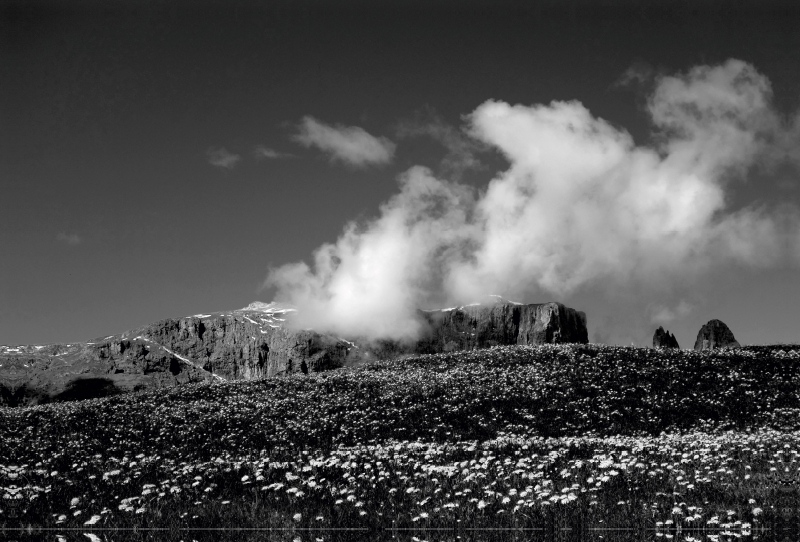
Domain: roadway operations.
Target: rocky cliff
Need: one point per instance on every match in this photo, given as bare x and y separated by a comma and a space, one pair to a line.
501, 322
494, 322
254, 342
249, 343
715, 334
244, 344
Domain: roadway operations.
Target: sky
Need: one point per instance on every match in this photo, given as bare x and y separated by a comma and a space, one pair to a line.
360, 161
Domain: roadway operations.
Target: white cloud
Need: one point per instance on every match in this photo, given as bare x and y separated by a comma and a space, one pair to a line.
370, 281
71, 239
348, 144
220, 157
261, 152
579, 206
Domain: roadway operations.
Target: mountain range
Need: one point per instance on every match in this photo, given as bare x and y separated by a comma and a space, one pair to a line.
258, 341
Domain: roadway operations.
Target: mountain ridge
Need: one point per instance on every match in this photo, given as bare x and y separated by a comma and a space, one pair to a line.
258, 341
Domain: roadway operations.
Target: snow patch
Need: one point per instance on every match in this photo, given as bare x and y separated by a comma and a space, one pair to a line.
201, 316
269, 308
502, 300
193, 364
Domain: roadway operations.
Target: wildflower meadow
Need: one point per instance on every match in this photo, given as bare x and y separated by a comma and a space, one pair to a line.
552, 442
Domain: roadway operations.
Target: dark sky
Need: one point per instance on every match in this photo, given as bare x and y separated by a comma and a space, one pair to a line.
112, 215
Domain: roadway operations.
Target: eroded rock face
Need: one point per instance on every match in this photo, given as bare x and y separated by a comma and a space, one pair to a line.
715, 334
246, 344
235, 345
664, 339
502, 323
499, 322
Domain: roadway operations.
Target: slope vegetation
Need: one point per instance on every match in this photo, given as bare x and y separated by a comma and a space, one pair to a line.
505, 437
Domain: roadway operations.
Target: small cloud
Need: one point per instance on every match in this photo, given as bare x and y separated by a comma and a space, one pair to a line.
461, 149
638, 73
349, 144
71, 239
663, 314
261, 152
222, 158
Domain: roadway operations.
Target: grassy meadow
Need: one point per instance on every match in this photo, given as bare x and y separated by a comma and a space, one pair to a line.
567, 442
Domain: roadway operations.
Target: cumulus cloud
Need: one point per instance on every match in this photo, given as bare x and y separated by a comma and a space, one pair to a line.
71, 239
351, 145
261, 152
579, 206
221, 157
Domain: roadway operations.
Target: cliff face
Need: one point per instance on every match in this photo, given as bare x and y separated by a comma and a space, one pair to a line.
498, 322
502, 323
254, 342
247, 344
236, 345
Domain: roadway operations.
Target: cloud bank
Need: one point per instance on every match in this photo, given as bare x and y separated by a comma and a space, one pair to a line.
351, 145
580, 206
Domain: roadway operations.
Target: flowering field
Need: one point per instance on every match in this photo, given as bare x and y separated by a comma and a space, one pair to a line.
577, 442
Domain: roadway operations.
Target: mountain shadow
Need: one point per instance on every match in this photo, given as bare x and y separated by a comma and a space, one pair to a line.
87, 388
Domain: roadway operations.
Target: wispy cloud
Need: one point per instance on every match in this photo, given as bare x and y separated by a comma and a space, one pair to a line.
664, 314
348, 144
580, 205
221, 157
260, 152
461, 149
71, 239
638, 73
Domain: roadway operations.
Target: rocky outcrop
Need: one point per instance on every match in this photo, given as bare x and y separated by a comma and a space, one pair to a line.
664, 339
501, 323
715, 334
482, 325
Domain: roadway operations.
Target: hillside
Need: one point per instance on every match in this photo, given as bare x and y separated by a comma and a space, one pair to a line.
584, 431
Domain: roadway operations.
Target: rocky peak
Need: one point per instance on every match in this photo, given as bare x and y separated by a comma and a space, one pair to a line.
664, 339
715, 334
